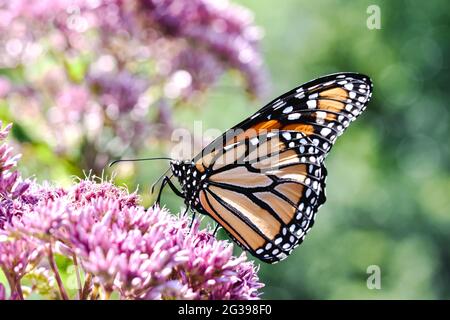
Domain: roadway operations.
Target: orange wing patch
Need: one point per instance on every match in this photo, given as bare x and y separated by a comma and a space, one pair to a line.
240, 176
278, 159
335, 93
205, 161
230, 156
293, 191
305, 128
330, 105
266, 125
257, 129
295, 172
232, 224
259, 217
282, 208
265, 148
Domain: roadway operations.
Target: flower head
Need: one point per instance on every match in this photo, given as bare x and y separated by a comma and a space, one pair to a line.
119, 245
12, 187
214, 273
220, 27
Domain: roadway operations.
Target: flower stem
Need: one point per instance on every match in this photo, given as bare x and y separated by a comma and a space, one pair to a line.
14, 284
19, 290
95, 292
54, 267
77, 272
87, 287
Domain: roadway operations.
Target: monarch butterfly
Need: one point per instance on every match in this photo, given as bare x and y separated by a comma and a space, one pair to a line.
264, 179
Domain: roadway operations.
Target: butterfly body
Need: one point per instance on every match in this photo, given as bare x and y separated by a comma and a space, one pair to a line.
264, 179
190, 180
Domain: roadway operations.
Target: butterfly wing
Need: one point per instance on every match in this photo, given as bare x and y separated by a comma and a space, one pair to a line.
264, 191
267, 202
321, 109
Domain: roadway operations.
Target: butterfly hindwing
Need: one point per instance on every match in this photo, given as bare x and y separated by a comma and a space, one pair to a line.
265, 191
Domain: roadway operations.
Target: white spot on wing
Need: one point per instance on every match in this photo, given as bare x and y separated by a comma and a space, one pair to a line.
300, 95
255, 115
287, 135
254, 141
288, 109
293, 116
311, 104
325, 132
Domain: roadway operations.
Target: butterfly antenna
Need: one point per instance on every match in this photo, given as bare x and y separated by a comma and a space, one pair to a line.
138, 159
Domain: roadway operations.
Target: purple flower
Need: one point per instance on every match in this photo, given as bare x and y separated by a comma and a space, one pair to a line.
225, 29
203, 67
17, 256
214, 273
85, 191
12, 188
71, 103
119, 93
120, 246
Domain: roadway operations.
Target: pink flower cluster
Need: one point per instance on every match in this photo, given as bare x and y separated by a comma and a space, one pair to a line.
115, 247
222, 28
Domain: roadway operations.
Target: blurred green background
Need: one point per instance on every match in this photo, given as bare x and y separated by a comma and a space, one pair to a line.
388, 176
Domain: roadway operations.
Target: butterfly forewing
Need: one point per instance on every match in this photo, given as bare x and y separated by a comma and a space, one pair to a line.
322, 109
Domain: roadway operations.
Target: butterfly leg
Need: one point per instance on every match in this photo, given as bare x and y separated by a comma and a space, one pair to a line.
216, 229
165, 181
192, 221
185, 211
